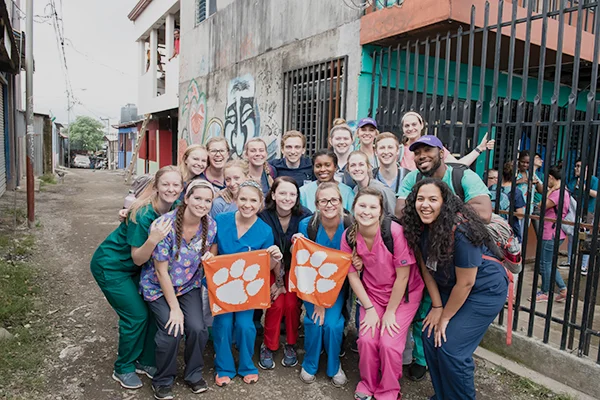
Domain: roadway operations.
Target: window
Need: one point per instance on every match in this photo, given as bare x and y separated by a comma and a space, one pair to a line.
200, 11
313, 97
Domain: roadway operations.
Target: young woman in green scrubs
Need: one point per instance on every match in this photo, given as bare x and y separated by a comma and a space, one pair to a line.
116, 267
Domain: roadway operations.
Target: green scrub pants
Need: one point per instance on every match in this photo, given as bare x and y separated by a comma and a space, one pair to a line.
136, 323
417, 328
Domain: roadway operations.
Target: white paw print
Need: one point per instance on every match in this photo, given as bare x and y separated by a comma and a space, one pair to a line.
314, 276
237, 284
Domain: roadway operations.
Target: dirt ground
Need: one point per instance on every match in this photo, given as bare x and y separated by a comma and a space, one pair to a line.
74, 218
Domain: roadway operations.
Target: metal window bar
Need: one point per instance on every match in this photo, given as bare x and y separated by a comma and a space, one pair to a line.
544, 104
313, 96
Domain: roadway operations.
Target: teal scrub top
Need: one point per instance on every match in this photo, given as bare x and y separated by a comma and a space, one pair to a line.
322, 237
113, 256
258, 237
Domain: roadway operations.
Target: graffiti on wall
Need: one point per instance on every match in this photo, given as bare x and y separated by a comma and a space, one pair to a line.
242, 120
214, 128
193, 113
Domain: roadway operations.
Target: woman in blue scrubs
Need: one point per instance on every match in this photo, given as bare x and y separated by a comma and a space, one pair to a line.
465, 280
239, 232
325, 326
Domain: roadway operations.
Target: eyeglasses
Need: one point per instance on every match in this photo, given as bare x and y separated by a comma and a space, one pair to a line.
334, 202
214, 152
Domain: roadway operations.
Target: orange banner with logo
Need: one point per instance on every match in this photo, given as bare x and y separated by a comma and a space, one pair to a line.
318, 273
238, 282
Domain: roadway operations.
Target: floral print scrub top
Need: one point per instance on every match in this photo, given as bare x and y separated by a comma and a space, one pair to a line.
186, 272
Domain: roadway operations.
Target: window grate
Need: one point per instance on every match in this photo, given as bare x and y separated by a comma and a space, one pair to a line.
200, 11
313, 97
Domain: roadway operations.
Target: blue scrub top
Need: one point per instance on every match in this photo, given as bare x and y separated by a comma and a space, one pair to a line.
491, 277
322, 237
259, 236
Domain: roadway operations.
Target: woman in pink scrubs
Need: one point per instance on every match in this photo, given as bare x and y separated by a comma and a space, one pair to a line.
389, 292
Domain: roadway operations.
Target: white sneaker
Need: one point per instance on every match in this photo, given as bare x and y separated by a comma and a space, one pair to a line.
339, 379
306, 377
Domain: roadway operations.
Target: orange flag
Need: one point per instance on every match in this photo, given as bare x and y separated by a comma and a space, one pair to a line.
238, 282
318, 273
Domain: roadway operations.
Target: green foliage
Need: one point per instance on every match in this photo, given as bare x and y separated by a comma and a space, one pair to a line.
48, 178
86, 134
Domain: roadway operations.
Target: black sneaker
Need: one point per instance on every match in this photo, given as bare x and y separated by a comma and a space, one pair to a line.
163, 392
416, 372
198, 387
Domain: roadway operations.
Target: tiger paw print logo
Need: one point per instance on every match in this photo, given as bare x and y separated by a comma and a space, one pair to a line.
236, 285
314, 276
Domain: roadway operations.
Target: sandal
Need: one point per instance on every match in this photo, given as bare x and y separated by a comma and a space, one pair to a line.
222, 381
250, 379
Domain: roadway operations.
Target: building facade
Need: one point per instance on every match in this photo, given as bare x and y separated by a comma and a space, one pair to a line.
155, 24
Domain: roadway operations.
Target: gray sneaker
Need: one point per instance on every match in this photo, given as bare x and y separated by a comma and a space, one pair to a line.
129, 380
265, 358
306, 377
362, 396
290, 359
339, 380
145, 370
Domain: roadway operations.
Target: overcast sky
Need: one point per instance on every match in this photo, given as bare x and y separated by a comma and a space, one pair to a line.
100, 51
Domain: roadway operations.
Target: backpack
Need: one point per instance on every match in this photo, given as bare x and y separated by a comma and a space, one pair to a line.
569, 229
313, 227
458, 171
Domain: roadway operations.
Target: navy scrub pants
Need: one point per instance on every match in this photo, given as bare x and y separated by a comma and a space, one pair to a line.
196, 336
451, 366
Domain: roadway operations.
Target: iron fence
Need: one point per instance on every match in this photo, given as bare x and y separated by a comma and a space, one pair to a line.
535, 93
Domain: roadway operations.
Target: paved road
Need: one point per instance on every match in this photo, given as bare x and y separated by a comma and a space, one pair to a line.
76, 216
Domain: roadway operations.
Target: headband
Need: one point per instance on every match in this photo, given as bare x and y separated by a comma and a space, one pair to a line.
198, 183
416, 114
251, 183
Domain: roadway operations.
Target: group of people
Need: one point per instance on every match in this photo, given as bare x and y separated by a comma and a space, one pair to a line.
424, 279
526, 195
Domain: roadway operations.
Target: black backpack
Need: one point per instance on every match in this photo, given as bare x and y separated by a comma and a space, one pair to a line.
458, 171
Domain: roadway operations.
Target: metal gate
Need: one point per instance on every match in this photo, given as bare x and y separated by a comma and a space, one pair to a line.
532, 87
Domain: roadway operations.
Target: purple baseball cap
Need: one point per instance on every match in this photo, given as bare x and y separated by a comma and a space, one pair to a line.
367, 121
428, 140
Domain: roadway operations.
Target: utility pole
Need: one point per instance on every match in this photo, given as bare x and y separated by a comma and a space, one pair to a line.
29, 114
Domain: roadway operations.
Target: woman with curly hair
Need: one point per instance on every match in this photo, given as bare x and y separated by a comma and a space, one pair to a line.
466, 282
171, 284
389, 292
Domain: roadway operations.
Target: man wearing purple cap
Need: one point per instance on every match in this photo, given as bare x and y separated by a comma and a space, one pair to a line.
367, 132
429, 159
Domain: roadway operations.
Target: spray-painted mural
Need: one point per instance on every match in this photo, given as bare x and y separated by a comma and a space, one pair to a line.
193, 112
242, 120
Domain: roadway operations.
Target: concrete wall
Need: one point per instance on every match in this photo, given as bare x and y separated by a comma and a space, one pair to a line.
250, 45
156, 10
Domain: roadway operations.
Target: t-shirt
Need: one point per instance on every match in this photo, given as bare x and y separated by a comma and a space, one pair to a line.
216, 184
113, 256
185, 272
472, 184
395, 184
549, 226
221, 206
491, 277
593, 186
258, 237
379, 272
407, 159
308, 193
322, 237
518, 201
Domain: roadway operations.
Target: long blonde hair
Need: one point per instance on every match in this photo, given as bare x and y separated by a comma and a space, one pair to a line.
366, 157
226, 194
185, 172
265, 164
152, 197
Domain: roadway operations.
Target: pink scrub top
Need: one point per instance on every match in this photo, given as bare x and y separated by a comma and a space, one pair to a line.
379, 265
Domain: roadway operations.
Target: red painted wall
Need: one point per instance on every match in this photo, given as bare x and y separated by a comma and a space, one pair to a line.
166, 148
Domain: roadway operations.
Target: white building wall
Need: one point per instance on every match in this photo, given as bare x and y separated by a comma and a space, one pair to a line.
259, 41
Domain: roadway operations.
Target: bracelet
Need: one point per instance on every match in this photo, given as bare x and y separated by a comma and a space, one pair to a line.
368, 308
477, 150
437, 306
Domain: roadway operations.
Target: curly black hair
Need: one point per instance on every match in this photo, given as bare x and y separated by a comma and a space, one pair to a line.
453, 213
